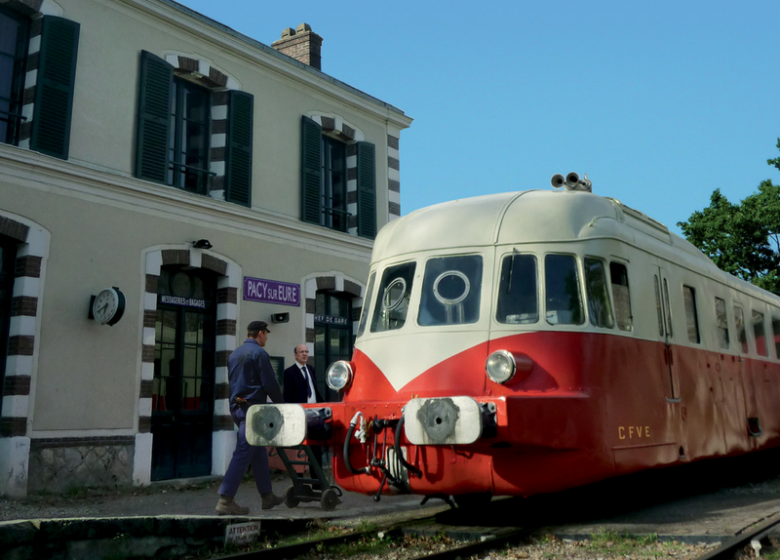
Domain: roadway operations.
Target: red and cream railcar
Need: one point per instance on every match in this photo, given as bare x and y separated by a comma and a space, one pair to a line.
528, 342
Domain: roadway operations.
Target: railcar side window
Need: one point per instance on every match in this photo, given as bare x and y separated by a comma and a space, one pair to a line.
621, 296
562, 289
776, 334
518, 302
721, 323
366, 305
599, 306
692, 321
758, 332
392, 301
658, 306
451, 291
668, 309
739, 323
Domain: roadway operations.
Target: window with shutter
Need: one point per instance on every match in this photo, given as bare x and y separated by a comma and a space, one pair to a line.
175, 131
54, 90
324, 178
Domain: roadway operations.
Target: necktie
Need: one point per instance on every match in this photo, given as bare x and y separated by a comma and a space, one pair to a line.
305, 373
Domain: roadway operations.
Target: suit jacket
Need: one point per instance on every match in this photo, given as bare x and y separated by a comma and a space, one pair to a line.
295, 387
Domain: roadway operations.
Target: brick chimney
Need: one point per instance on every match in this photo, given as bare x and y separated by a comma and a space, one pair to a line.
302, 44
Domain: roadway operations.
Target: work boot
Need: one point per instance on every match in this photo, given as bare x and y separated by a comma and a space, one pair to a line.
270, 500
226, 506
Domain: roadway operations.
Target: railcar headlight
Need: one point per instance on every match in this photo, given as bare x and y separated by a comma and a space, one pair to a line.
339, 375
500, 366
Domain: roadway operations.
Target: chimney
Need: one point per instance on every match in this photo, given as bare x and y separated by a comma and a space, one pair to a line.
302, 44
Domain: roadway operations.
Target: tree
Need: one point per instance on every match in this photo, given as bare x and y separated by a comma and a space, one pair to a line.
742, 239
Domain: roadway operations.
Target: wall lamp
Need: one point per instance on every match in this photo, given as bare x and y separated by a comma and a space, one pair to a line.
202, 244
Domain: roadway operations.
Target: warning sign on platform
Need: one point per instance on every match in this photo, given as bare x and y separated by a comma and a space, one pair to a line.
242, 533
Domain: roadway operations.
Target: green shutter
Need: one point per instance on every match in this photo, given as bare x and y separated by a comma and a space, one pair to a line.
366, 189
311, 171
54, 89
238, 148
154, 112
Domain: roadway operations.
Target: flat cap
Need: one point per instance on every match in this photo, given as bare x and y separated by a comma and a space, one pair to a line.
258, 326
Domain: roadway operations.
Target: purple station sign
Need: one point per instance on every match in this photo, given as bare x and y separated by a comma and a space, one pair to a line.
271, 291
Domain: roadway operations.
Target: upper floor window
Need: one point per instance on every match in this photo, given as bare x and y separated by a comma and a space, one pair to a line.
14, 31
562, 291
188, 141
326, 177
175, 129
37, 81
333, 193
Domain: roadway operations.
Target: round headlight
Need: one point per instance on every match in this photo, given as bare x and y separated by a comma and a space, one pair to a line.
500, 366
339, 375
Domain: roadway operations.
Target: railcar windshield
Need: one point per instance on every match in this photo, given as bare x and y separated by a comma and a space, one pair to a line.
366, 305
518, 302
562, 290
392, 302
451, 291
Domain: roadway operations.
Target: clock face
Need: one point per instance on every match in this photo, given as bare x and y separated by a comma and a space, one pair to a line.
105, 306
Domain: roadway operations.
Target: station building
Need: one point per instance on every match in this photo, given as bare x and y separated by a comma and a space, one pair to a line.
193, 180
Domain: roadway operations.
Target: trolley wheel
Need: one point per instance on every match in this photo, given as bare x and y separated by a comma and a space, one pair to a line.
290, 500
473, 502
329, 499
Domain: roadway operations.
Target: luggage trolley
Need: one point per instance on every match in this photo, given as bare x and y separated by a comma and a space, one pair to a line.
286, 426
308, 489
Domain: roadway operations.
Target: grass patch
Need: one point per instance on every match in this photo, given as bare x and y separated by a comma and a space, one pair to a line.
610, 544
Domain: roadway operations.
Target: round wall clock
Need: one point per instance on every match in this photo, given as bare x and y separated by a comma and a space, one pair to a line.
109, 306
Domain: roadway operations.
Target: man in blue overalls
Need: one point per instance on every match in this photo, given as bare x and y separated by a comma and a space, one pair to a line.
252, 380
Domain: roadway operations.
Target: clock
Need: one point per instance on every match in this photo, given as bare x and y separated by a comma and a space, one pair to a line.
108, 306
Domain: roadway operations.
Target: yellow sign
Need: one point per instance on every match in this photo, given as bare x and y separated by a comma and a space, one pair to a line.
634, 432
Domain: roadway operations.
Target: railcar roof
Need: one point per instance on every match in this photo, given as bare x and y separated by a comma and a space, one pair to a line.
532, 216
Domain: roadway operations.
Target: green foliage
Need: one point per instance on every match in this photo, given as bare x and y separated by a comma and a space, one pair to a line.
742, 239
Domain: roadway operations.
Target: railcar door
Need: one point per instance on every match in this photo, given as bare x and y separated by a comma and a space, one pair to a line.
666, 333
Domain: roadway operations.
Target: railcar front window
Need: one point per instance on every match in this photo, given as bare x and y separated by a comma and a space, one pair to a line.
621, 296
692, 321
758, 332
599, 306
518, 302
562, 289
392, 299
721, 323
451, 291
366, 305
739, 323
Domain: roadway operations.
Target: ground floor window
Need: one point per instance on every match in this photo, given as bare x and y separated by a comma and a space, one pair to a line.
332, 335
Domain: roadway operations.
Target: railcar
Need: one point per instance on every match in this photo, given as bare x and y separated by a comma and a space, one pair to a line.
529, 342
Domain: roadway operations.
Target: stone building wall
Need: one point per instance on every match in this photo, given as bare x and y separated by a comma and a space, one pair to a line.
62, 464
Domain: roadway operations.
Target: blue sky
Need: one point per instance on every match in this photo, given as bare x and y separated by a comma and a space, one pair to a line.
659, 102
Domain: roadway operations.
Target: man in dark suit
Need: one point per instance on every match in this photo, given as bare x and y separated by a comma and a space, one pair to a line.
300, 386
